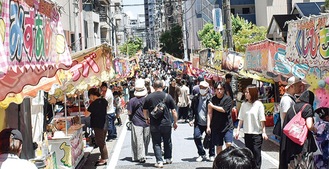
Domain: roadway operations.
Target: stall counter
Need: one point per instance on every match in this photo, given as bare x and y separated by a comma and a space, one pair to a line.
69, 149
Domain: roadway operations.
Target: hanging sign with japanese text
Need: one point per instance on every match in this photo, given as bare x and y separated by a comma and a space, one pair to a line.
31, 35
307, 41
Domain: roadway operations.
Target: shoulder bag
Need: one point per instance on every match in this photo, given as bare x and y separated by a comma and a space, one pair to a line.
296, 129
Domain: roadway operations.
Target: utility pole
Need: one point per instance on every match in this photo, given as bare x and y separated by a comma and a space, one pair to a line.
184, 31
228, 21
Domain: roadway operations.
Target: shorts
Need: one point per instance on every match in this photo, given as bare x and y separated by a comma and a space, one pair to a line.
218, 138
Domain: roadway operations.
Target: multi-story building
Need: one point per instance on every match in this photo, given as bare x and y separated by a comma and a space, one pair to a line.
150, 22
138, 28
92, 22
259, 12
197, 14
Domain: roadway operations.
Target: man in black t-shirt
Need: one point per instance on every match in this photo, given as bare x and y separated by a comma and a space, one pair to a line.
161, 127
219, 120
228, 88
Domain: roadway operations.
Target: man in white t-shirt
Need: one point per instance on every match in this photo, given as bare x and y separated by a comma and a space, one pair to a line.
288, 99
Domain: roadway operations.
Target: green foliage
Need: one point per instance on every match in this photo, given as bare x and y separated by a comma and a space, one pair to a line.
172, 41
245, 32
131, 47
326, 4
209, 37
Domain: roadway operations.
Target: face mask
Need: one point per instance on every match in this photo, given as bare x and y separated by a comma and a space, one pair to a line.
203, 91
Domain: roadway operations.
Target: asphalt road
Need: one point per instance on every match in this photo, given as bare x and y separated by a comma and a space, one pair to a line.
184, 152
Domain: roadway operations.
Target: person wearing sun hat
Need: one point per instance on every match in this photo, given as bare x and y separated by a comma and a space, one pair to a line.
140, 130
11, 142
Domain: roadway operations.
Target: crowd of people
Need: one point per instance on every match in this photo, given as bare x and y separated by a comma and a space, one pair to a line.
159, 97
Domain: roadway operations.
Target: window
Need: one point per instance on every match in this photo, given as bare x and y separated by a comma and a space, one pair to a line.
245, 10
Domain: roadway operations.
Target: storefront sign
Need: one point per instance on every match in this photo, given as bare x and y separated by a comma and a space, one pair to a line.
232, 61
307, 41
31, 35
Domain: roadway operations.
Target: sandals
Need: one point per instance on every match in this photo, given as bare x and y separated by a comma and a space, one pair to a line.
98, 163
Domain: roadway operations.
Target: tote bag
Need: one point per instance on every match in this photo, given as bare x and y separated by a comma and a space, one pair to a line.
296, 129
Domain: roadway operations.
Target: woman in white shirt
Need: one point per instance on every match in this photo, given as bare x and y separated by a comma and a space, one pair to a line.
252, 116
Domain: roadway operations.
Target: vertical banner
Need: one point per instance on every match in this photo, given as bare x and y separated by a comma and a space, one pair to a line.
204, 56
217, 18
218, 60
195, 61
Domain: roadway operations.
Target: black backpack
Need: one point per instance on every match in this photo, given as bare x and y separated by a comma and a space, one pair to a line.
159, 109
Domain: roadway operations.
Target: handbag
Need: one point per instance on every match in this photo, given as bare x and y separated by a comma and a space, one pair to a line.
277, 128
296, 129
207, 141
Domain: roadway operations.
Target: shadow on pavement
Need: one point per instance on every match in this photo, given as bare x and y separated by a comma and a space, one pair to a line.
189, 138
189, 159
203, 168
92, 161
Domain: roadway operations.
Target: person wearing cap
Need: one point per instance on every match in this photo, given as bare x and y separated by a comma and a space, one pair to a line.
288, 99
110, 111
140, 130
11, 143
97, 112
196, 88
219, 122
198, 118
291, 154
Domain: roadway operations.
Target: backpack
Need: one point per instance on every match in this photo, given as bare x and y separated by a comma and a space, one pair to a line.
159, 109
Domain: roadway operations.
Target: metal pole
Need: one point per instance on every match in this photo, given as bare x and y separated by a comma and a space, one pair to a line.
65, 112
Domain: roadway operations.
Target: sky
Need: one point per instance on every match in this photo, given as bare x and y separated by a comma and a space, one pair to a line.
132, 11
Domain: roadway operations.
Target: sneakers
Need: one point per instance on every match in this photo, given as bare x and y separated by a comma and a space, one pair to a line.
200, 158
212, 158
168, 161
159, 164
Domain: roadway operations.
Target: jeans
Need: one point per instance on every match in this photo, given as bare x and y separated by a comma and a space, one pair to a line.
111, 129
159, 134
198, 131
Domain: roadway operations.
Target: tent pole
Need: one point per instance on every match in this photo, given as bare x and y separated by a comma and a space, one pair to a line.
65, 112
79, 107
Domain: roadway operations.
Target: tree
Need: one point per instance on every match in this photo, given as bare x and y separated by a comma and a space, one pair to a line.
132, 46
245, 32
209, 37
172, 41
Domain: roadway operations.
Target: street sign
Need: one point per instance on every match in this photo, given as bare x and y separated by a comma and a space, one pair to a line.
217, 18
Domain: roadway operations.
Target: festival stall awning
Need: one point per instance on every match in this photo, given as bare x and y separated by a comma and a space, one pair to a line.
90, 67
267, 58
31, 49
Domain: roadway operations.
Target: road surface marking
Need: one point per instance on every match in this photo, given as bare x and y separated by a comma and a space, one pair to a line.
270, 159
117, 149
